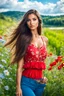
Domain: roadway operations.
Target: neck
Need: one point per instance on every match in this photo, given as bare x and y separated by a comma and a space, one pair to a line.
35, 33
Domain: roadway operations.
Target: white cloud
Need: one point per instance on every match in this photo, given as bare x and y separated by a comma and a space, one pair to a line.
48, 8
4, 10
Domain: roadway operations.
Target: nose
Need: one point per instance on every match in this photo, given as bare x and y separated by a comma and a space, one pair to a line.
31, 22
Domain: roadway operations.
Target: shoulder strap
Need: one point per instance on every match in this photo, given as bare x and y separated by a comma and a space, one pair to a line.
43, 40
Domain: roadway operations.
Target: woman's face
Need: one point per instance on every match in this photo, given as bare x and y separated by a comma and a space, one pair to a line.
32, 22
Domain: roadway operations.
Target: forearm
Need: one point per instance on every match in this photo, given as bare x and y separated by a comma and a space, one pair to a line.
18, 78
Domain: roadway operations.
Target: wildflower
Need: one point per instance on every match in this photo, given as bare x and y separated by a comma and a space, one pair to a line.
53, 63
4, 61
1, 66
1, 54
1, 76
6, 87
6, 72
10, 79
50, 54
56, 60
59, 58
2, 41
50, 68
60, 66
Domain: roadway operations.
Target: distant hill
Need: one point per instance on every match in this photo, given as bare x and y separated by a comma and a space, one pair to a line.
47, 20
13, 14
6, 24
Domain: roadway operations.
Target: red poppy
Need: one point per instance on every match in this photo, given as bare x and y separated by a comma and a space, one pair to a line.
50, 68
53, 63
56, 60
50, 54
59, 67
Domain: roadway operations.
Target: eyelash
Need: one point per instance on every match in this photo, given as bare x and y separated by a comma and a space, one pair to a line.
29, 19
34, 19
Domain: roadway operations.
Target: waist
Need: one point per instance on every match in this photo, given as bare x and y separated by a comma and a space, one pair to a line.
33, 73
34, 65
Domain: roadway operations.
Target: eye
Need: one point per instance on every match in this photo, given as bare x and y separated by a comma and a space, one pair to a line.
28, 20
34, 19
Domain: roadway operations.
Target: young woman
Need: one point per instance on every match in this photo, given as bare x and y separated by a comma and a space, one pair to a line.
30, 54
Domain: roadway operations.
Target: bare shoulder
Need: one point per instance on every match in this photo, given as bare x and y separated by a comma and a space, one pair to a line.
45, 39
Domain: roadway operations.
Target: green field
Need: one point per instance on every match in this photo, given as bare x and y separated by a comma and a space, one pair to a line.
55, 85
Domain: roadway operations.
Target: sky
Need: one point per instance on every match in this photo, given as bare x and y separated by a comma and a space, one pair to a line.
44, 7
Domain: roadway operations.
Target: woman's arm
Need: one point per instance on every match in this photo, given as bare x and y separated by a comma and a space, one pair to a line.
18, 77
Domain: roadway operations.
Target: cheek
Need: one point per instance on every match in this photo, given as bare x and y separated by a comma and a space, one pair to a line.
36, 23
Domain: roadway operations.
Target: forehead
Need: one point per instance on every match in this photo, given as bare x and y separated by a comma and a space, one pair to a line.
32, 16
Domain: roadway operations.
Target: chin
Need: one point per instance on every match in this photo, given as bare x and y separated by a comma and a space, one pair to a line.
33, 28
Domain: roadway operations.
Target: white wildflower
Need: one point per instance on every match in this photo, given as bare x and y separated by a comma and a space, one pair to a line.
6, 87
4, 61
1, 54
6, 72
1, 66
10, 79
1, 76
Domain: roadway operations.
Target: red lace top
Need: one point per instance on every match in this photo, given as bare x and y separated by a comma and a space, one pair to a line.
34, 61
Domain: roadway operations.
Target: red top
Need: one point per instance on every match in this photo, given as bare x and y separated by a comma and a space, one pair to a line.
34, 61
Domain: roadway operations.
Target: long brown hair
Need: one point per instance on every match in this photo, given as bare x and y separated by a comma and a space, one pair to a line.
22, 36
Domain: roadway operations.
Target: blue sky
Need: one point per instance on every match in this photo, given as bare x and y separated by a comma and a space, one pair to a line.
43, 1
45, 7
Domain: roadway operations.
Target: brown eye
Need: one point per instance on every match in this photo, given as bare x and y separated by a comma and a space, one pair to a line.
34, 19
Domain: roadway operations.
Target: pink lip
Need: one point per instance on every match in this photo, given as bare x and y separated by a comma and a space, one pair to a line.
31, 26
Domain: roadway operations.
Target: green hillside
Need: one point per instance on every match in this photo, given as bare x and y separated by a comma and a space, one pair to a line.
6, 24
13, 14
47, 20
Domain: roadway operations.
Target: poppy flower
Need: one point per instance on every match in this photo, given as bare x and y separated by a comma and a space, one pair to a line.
53, 63
50, 68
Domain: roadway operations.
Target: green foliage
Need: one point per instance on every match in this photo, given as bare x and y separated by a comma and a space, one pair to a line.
53, 20
7, 74
5, 24
56, 40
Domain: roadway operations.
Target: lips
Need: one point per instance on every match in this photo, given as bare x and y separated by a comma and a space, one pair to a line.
31, 26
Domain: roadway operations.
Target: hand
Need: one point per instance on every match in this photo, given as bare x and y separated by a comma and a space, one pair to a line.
44, 80
19, 92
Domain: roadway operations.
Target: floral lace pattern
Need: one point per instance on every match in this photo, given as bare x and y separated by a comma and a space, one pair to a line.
35, 54
34, 61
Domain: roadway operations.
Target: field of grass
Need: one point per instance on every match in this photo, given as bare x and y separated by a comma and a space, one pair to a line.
55, 40
55, 77
55, 85
6, 25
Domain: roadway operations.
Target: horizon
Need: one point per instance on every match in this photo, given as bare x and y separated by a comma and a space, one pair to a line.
40, 14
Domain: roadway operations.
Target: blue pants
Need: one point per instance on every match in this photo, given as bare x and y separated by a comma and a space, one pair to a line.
31, 87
